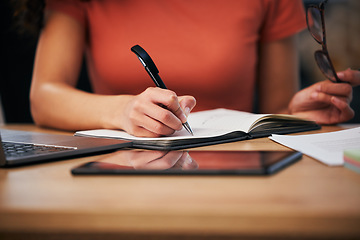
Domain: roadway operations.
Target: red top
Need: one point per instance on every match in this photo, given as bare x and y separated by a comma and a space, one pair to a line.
207, 49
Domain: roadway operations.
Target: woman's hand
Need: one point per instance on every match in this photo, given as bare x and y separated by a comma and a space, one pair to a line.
156, 112
350, 76
327, 102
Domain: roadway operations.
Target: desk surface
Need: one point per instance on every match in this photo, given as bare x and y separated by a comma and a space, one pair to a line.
306, 200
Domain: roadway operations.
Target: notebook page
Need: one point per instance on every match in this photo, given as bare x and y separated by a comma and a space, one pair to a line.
204, 124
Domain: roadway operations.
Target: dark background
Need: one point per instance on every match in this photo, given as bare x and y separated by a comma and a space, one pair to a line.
17, 56
17, 53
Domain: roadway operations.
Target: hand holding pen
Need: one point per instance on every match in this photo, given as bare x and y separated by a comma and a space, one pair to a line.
170, 103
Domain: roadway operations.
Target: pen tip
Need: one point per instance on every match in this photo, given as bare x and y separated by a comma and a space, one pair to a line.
188, 128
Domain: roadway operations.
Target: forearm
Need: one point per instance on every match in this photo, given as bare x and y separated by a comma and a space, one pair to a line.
60, 106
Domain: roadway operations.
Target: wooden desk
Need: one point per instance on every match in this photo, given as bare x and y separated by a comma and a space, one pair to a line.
306, 200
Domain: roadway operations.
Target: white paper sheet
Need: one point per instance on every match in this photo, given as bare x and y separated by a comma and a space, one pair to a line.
328, 148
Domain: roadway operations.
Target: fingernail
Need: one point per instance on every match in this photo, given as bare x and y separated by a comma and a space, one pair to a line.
334, 99
341, 75
183, 118
187, 111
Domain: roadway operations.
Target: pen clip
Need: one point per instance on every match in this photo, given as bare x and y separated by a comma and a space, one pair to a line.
145, 59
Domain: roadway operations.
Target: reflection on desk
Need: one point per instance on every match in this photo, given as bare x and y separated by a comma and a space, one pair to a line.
190, 163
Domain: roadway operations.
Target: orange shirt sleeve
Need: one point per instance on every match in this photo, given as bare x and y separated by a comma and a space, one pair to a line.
282, 19
74, 9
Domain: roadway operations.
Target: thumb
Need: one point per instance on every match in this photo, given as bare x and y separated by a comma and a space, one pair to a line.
187, 103
350, 76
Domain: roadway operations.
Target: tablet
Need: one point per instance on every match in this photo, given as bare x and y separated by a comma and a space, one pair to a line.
128, 162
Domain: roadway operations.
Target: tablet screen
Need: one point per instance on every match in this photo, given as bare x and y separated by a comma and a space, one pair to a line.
190, 163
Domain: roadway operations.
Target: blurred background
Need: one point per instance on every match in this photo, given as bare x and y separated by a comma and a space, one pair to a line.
17, 55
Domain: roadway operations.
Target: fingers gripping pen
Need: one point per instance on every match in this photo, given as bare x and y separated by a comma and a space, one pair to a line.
153, 72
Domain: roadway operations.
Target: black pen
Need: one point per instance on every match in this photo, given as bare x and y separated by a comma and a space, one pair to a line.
152, 70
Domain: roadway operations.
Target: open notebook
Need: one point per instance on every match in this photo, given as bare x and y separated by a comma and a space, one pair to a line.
214, 127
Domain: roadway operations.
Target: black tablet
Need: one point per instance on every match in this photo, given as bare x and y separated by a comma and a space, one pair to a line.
128, 162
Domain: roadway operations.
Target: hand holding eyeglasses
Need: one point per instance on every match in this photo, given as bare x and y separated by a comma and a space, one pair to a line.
324, 102
327, 102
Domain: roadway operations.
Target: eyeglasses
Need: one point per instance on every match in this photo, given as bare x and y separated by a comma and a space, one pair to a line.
316, 25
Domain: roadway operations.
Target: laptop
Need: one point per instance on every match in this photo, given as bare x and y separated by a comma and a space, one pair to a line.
23, 147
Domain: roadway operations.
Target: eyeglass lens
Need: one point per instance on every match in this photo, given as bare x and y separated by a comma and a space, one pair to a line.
324, 64
314, 21
315, 24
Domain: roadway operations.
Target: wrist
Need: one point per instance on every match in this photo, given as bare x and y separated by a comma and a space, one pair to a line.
113, 111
